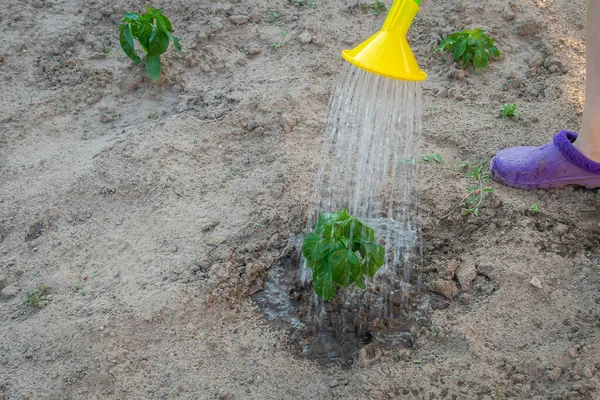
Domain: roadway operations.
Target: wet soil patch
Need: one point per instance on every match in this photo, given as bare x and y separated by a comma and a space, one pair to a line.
336, 331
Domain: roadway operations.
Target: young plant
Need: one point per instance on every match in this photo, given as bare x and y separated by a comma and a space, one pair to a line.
153, 31
378, 8
470, 46
476, 193
509, 110
534, 208
340, 252
34, 296
283, 42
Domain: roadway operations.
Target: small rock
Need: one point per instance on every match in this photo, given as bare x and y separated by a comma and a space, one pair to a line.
589, 371
554, 374
192, 60
516, 83
242, 61
536, 61
553, 60
3, 281
447, 289
239, 19
253, 50
288, 122
560, 229
38, 4
105, 118
529, 28
508, 15
461, 75
569, 238
305, 37
19, 272
93, 99
518, 378
10, 291
369, 354
573, 352
535, 282
465, 298
333, 384
254, 17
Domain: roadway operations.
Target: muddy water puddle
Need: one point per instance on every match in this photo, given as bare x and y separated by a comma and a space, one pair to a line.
335, 332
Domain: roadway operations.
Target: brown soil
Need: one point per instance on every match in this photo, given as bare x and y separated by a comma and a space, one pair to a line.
152, 212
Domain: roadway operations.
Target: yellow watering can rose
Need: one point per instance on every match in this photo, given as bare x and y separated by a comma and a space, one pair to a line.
387, 53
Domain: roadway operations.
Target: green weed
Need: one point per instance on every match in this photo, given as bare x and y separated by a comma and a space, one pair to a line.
331, 252
378, 7
434, 157
34, 296
272, 15
153, 31
283, 42
476, 194
470, 47
509, 110
534, 208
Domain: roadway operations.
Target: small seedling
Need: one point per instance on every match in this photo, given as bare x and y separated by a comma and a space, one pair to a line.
153, 31
509, 110
283, 42
500, 393
331, 252
417, 362
273, 15
534, 208
470, 47
34, 296
378, 8
434, 157
474, 199
174, 392
203, 336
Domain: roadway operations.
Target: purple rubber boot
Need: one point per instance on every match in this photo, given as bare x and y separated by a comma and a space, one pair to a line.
553, 165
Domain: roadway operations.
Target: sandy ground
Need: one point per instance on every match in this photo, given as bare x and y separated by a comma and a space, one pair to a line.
149, 211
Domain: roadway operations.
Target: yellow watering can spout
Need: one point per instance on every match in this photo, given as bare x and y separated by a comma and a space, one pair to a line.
387, 53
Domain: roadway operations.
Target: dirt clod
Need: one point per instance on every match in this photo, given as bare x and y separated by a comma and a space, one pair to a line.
554, 374
447, 289
239, 19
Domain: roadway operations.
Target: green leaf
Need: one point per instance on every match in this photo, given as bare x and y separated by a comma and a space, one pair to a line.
126, 40
426, 158
166, 21
325, 220
308, 248
437, 158
459, 50
478, 59
360, 282
130, 17
323, 283
158, 43
345, 267
153, 67
175, 41
374, 257
467, 58
494, 52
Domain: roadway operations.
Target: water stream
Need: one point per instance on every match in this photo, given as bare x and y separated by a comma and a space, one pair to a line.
368, 166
